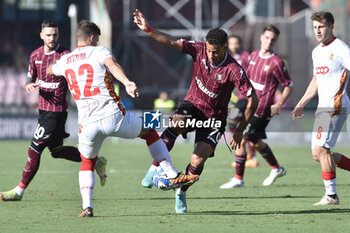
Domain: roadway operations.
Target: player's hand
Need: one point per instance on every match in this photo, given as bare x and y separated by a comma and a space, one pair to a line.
132, 90
297, 112
276, 109
140, 20
236, 139
30, 88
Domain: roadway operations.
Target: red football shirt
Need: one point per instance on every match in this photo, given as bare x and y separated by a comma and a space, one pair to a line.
53, 89
211, 86
265, 73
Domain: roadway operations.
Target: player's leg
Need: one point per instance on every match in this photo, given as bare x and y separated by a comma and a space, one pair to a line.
240, 160
131, 127
169, 137
91, 137
205, 143
276, 170
325, 133
201, 153
38, 144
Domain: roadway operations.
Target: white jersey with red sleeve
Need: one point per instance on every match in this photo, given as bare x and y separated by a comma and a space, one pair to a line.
331, 65
89, 82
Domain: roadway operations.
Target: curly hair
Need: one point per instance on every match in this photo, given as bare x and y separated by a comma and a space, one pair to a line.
217, 36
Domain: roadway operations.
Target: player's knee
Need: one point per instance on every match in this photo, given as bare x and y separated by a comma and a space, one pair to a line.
87, 164
316, 153
55, 151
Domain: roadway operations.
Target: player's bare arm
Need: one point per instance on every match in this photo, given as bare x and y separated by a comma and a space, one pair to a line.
119, 74
252, 104
276, 107
310, 92
163, 38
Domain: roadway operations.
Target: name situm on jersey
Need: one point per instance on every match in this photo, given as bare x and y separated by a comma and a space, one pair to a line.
76, 57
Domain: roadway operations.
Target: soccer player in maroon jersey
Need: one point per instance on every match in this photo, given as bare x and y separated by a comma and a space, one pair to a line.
266, 70
50, 131
234, 45
215, 74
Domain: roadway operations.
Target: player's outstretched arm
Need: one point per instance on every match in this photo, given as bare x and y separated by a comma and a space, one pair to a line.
119, 74
163, 38
310, 92
248, 114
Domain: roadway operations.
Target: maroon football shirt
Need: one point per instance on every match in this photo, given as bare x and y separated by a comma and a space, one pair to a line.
53, 89
243, 60
265, 73
211, 86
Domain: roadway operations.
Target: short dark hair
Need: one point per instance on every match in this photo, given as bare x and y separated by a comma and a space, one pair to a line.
236, 37
85, 29
323, 17
272, 28
216, 36
48, 23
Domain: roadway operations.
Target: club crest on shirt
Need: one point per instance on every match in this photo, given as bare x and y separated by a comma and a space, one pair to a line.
266, 68
330, 56
219, 77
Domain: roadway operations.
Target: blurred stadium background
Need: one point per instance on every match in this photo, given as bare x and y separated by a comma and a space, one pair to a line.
152, 66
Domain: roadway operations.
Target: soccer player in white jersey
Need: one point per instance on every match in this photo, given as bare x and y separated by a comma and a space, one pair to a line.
331, 65
100, 112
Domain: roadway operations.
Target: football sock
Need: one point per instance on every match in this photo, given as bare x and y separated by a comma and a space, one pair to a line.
160, 153
329, 181
19, 190
240, 166
87, 181
344, 163
30, 168
190, 170
267, 154
67, 152
169, 138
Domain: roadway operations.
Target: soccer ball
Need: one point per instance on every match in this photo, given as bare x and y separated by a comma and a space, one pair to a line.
160, 180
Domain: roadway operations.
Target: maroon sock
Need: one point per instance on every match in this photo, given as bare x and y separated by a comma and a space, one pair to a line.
240, 166
344, 163
67, 152
267, 154
169, 138
190, 170
31, 168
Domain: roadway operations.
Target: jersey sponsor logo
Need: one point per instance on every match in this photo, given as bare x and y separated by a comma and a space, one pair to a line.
204, 89
48, 85
38, 62
322, 70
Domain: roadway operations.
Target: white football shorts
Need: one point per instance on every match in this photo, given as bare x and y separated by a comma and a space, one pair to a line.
326, 129
93, 134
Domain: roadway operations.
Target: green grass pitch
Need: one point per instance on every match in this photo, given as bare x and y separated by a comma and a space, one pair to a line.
52, 202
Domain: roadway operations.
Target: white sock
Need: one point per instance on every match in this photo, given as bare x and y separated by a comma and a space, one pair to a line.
160, 153
19, 190
330, 186
179, 191
87, 184
152, 168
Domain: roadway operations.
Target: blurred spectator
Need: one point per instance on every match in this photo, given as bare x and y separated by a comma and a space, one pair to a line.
164, 104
